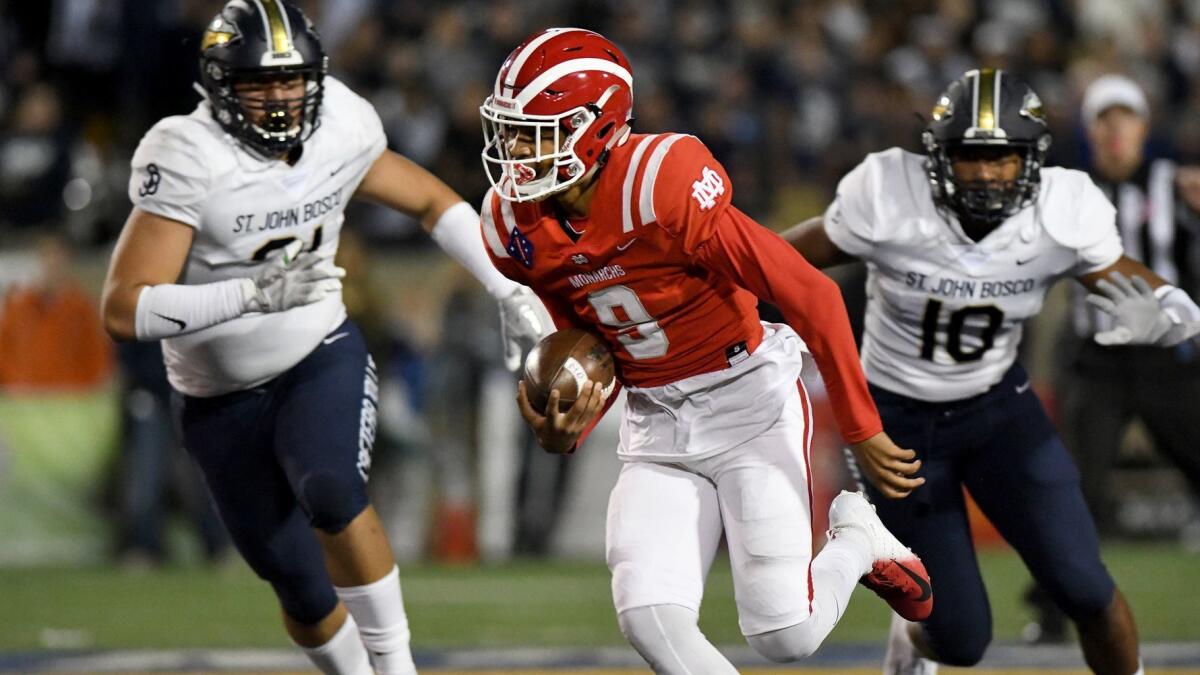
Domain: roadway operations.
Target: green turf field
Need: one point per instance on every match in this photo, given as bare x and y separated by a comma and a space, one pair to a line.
519, 604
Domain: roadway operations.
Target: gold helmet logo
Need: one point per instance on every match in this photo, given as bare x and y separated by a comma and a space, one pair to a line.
1031, 107
943, 109
219, 32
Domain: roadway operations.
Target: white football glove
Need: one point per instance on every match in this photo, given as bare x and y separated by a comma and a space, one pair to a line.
523, 322
1183, 312
291, 280
1139, 314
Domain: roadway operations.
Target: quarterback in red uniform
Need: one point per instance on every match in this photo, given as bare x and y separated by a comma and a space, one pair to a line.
634, 237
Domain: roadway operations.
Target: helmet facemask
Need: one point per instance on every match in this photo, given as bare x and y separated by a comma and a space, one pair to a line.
271, 127
515, 154
985, 203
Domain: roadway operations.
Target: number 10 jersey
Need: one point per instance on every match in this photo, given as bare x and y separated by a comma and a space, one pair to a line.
945, 313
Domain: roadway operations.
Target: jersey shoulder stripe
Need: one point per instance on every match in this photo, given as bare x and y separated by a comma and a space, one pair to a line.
487, 215
650, 176
627, 188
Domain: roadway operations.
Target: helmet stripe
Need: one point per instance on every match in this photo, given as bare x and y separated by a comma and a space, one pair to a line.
566, 68
510, 79
287, 23
986, 93
262, 15
996, 104
275, 26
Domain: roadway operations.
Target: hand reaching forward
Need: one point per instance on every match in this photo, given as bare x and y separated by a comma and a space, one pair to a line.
888, 466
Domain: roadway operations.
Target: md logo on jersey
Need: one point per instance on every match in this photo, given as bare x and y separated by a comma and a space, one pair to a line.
520, 248
706, 190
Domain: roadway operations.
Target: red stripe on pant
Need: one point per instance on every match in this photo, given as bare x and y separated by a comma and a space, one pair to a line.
809, 479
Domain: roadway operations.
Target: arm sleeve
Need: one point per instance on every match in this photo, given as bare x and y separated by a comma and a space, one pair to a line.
850, 218
457, 234
762, 262
170, 175
171, 310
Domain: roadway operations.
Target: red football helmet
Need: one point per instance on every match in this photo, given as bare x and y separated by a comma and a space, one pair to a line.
566, 85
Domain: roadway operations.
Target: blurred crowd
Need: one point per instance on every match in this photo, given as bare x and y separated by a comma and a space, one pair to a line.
789, 95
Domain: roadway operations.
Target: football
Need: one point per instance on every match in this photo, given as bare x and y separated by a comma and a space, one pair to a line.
565, 361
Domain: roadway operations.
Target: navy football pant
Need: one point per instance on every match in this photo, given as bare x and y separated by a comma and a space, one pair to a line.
1003, 448
287, 457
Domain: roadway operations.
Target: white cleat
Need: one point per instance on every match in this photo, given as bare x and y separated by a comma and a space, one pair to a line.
902, 657
897, 575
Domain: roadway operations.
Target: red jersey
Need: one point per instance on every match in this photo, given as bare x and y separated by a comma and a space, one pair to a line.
668, 271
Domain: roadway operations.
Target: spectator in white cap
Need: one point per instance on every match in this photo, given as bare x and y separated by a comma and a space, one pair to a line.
1117, 118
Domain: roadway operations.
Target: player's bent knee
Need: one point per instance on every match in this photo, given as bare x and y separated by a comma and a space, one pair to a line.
1084, 604
1082, 591
786, 644
331, 500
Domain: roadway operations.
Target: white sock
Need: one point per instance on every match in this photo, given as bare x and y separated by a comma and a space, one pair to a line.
344, 654
378, 608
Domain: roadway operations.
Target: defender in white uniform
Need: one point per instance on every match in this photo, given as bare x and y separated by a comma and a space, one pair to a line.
227, 258
961, 246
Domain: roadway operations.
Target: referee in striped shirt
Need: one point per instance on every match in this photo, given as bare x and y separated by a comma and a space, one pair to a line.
1103, 389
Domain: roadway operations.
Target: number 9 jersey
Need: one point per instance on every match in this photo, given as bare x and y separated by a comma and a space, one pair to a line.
945, 313
244, 209
629, 271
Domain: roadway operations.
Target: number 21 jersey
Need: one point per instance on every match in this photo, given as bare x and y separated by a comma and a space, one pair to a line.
244, 209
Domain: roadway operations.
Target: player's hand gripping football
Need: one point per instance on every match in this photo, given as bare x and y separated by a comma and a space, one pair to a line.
889, 467
291, 280
523, 321
558, 431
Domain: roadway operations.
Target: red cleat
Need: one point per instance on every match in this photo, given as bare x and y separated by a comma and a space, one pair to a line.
897, 575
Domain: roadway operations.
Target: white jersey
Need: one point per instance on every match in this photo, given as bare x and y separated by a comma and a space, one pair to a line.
244, 209
945, 313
